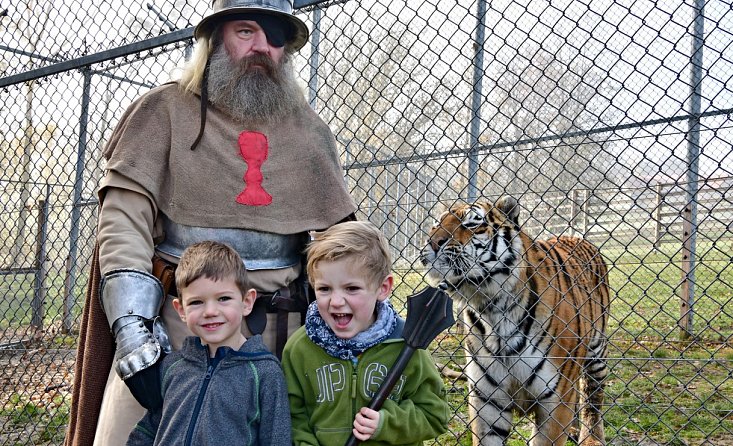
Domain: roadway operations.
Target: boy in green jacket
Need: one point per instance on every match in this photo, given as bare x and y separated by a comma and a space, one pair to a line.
352, 336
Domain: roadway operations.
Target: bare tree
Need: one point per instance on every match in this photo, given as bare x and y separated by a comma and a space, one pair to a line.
553, 96
382, 101
32, 18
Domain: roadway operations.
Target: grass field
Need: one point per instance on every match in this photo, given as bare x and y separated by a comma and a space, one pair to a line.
662, 389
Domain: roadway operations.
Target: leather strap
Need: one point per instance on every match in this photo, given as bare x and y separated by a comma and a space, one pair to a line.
282, 302
166, 273
281, 333
257, 318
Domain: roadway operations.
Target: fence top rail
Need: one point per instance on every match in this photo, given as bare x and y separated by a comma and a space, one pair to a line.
85, 61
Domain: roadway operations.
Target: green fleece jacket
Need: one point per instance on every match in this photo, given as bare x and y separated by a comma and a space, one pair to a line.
326, 393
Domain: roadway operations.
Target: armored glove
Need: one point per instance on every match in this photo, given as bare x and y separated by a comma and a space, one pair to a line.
132, 301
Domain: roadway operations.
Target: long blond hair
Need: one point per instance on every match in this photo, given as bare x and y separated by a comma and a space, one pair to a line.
192, 75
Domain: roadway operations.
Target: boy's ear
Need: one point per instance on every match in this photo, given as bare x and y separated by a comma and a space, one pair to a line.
385, 288
179, 308
248, 299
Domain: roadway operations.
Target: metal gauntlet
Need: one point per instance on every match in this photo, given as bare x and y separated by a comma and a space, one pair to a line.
132, 300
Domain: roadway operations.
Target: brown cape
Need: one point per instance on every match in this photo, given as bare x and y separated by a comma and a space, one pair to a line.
94, 355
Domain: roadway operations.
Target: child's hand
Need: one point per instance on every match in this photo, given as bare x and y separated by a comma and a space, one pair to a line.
365, 423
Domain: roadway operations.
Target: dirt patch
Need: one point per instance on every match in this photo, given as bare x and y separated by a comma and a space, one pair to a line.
35, 393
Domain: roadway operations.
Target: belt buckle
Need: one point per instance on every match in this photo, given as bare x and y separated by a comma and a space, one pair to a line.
280, 295
274, 299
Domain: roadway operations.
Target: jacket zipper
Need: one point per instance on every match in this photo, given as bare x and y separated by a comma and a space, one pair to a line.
354, 382
199, 401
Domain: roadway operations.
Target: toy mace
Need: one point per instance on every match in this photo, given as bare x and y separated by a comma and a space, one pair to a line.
428, 313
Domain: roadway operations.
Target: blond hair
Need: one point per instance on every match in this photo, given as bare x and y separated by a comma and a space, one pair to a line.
213, 260
192, 74
357, 240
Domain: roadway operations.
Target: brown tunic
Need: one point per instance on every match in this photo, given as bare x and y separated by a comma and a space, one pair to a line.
302, 171
150, 146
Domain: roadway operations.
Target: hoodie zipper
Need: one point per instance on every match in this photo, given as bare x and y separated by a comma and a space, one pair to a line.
199, 401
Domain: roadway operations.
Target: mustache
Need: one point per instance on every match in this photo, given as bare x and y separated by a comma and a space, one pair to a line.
248, 64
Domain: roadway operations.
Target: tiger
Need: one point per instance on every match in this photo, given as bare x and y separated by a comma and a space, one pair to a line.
535, 313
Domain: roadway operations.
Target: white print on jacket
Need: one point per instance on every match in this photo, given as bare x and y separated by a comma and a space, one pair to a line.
332, 380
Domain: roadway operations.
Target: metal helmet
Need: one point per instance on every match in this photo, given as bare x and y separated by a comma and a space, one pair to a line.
278, 8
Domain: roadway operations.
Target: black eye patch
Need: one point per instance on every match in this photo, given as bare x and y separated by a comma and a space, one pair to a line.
277, 30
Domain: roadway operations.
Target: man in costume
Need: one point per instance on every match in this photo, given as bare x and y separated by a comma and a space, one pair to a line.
230, 152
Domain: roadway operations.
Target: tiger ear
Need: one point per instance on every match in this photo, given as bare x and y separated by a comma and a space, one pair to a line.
509, 206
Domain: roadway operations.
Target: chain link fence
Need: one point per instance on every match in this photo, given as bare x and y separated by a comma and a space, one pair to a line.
606, 119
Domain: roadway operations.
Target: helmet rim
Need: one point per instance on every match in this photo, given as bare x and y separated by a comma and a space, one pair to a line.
278, 8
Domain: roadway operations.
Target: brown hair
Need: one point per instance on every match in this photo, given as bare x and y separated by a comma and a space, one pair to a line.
358, 240
213, 260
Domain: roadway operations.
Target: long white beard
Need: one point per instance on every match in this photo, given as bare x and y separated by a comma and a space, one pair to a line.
253, 94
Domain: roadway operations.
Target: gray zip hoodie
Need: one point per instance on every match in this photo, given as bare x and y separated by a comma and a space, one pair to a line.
237, 397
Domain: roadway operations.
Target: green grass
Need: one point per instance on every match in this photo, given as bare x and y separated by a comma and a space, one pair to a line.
675, 394
646, 291
48, 420
16, 296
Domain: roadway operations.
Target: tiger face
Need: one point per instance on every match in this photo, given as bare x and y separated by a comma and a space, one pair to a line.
474, 244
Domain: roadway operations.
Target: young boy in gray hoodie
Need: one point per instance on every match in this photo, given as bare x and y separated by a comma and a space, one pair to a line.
219, 388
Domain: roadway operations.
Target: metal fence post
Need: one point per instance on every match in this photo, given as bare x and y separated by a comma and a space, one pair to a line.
574, 211
658, 217
69, 295
314, 59
585, 207
39, 291
476, 99
689, 220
